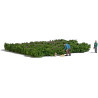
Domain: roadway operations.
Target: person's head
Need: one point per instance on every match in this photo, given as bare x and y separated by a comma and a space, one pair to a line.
64, 44
96, 41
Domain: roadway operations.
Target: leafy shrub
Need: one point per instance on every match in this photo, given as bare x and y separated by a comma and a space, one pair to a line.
47, 48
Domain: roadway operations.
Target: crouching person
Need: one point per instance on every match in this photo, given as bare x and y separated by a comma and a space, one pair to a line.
67, 46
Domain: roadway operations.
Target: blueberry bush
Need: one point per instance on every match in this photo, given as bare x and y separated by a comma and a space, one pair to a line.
46, 48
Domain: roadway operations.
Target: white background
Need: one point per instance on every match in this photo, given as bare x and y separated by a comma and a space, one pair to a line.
48, 77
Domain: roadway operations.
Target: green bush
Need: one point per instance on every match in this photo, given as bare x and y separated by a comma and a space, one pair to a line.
46, 48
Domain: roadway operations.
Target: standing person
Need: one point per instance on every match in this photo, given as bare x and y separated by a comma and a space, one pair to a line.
95, 46
67, 46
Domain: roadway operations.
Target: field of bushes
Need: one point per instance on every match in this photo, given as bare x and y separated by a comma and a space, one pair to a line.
46, 48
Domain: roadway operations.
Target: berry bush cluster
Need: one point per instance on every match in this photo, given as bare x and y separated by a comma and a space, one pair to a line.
46, 48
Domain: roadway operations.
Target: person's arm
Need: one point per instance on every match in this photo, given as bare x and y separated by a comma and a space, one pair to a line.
65, 48
94, 45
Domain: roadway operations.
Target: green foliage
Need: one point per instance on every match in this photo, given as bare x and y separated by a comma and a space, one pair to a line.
47, 48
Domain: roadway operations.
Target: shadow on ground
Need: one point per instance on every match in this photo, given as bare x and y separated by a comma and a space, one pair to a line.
92, 52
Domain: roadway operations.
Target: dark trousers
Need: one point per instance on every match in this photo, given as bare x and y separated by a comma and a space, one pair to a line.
95, 49
68, 51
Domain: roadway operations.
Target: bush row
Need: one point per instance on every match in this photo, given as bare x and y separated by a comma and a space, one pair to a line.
46, 48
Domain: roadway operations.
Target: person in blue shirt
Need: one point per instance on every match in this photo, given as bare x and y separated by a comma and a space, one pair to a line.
67, 46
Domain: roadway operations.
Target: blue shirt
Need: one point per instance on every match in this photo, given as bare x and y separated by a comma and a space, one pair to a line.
67, 46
